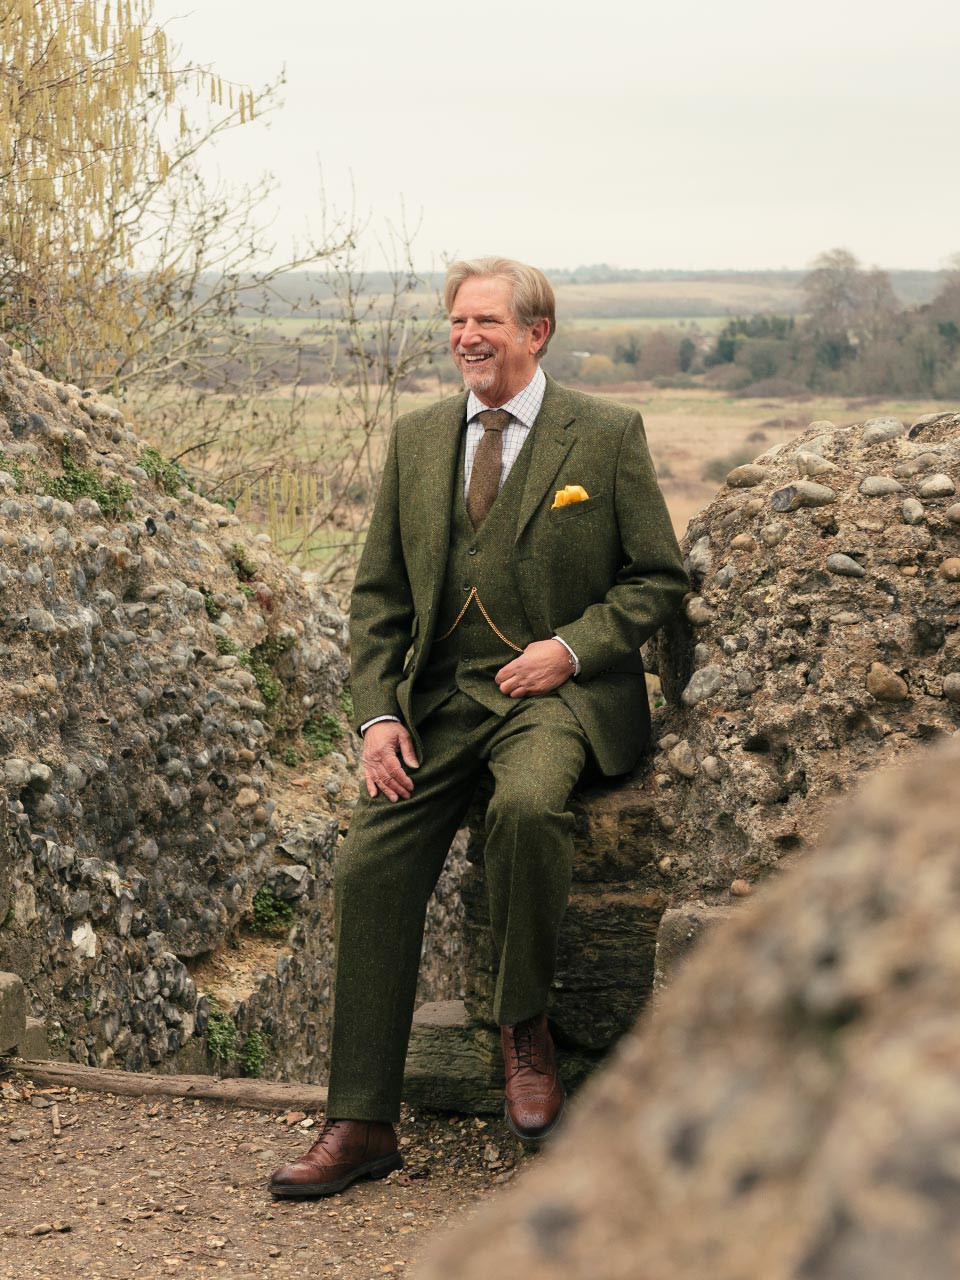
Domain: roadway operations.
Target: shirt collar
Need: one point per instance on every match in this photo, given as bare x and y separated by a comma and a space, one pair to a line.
524, 406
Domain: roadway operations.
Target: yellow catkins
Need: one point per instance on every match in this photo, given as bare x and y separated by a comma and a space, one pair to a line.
76, 146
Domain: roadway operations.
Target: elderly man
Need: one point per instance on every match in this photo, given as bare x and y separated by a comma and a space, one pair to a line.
519, 555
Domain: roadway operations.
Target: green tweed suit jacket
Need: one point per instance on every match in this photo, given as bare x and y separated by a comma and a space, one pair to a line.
603, 573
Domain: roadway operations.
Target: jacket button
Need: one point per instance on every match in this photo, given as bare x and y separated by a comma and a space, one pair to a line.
472, 551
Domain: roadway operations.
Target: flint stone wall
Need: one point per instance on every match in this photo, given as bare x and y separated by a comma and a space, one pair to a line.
821, 640
152, 652
792, 1111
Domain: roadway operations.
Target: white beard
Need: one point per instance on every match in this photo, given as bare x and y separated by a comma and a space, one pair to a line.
479, 377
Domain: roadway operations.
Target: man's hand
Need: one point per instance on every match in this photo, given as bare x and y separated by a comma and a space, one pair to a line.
543, 665
384, 746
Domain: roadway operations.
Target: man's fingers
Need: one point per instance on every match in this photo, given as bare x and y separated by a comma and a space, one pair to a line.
537, 670
389, 762
391, 789
407, 752
391, 794
523, 690
519, 681
383, 773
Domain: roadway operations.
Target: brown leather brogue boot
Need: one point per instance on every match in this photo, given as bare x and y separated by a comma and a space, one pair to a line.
345, 1151
535, 1093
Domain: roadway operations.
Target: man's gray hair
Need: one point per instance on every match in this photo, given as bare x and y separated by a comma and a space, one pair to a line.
533, 296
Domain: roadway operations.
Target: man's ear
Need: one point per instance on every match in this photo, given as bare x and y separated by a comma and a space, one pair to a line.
539, 333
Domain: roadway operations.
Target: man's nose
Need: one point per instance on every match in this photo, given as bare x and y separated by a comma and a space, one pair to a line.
471, 334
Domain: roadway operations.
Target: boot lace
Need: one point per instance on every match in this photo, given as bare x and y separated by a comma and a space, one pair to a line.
329, 1128
523, 1045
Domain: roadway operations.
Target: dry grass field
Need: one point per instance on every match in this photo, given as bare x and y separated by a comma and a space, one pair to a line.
633, 303
663, 299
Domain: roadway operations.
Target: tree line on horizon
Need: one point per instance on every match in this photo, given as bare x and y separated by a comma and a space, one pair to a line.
852, 335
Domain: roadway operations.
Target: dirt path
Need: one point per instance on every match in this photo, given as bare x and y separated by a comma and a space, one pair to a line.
165, 1187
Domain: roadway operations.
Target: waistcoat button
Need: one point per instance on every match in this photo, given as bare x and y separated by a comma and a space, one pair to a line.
472, 551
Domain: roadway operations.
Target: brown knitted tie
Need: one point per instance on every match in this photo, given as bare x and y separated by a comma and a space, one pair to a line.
487, 461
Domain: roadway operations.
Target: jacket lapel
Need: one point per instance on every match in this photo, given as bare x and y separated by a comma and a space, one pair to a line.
438, 450
553, 438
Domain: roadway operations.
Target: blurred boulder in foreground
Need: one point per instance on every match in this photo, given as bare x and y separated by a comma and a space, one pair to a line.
792, 1111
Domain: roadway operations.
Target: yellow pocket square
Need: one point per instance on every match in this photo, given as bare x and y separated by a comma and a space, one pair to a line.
569, 493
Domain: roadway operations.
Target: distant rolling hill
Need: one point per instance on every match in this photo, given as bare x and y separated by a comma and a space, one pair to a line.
601, 292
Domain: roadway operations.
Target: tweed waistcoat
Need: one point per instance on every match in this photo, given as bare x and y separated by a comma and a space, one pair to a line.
479, 571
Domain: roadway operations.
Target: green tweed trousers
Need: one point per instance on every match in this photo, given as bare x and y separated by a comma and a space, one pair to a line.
392, 856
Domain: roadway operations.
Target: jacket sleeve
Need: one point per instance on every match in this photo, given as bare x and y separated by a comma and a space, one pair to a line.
381, 606
651, 582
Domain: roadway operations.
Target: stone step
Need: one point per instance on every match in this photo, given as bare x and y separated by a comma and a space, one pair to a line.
13, 1012
455, 1064
681, 929
20, 1034
35, 1045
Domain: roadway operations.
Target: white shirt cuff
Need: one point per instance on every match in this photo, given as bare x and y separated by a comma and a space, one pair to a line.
574, 660
376, 720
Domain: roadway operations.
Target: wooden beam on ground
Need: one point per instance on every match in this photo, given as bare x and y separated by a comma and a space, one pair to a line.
263, 1095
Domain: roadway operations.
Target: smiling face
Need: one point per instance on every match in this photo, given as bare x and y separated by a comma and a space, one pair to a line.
496, 356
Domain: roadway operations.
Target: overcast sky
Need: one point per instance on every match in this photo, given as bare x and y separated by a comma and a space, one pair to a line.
691, 135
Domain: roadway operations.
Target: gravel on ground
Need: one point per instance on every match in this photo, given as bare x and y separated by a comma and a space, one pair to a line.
155, 1187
